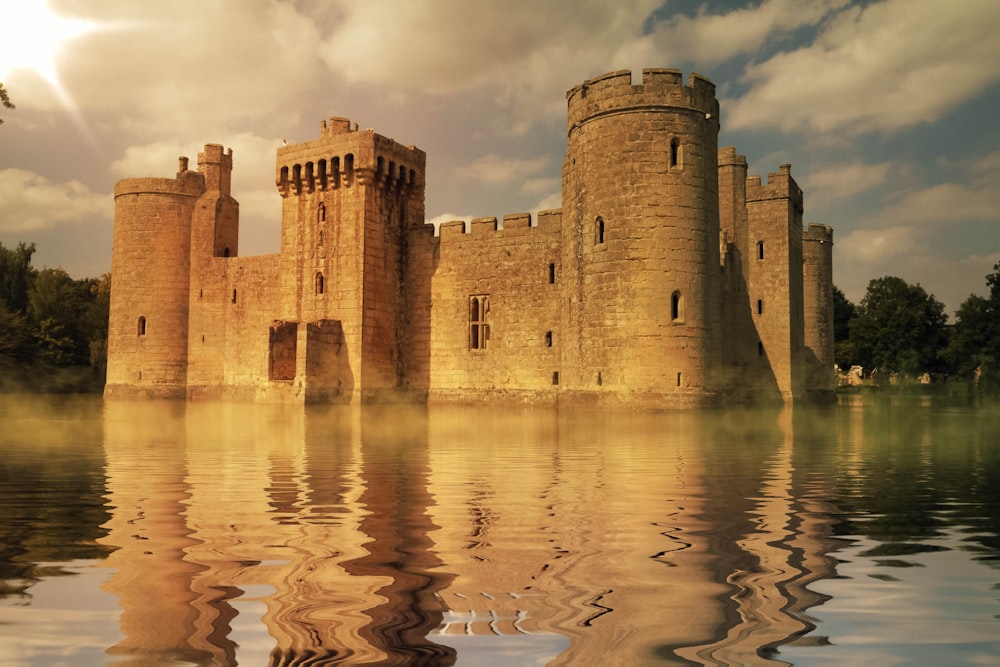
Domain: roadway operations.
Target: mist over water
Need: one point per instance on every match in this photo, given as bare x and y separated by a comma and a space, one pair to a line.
147, 533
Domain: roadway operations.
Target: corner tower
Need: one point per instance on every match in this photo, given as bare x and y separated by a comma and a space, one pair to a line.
641, 238
817, 289
150, 283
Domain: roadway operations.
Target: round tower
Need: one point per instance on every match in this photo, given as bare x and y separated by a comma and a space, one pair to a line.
150, 278
641, 237
817, 293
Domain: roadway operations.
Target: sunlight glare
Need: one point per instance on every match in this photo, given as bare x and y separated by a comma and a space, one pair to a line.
34, 38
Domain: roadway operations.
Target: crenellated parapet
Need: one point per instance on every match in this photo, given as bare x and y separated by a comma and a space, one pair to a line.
817, 233
660, 89
344, 156
186, 184
514, 224
780, 185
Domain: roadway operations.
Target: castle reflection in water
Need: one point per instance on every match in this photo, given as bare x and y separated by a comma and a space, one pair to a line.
414, 536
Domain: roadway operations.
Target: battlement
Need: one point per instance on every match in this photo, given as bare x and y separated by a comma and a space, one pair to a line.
344, 156
780, 185
660, 89
217, 166
819, 233
186, 184
336, 125
514, 224
728, 157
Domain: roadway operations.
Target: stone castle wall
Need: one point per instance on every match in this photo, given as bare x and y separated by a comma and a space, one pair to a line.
669, 278
511, 274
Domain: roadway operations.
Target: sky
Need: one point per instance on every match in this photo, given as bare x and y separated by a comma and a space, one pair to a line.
887, 110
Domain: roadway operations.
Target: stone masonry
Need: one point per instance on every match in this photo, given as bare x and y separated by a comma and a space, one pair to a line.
669, 277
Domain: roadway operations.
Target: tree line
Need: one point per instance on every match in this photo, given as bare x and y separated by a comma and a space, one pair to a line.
900, 328
53, 328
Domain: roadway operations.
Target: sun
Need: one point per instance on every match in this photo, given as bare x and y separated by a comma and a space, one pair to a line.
32, 36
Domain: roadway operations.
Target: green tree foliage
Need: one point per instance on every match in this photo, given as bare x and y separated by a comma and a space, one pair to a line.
975, 340
50, 321
843, 312
16, 275
898, 327
5, 100
59, 306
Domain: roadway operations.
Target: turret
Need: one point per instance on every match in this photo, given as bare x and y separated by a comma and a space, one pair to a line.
817, 289
641, 236
150, 279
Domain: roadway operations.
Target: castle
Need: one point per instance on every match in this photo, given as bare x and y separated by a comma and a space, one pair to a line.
669, 278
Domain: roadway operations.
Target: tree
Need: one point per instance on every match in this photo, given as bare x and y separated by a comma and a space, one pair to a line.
57, 305
975, 341
899, 327
5, 100
16, 275
843, 311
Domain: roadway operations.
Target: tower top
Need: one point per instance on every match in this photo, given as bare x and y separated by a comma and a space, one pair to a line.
660, 89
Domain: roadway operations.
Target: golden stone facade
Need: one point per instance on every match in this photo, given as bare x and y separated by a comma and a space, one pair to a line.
669, 278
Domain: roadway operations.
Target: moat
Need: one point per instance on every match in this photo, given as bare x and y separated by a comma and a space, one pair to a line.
165, 532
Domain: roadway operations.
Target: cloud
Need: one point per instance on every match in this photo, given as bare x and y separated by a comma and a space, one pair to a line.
32, 202
521, 53
163, 68
844, 181
880, 67
946, 203
709, 39
493, 169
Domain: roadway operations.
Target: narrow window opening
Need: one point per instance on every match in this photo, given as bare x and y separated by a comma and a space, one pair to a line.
675, 152
760, 306
679, 378
201, 293
599, 230
349, 169
555, 377
548, 339
322, 174
319, 283
142, 325
552, 274
760, 250
234, 296
310, 177
600, 380
676, 307
203, 338
140, 376
321, 212
321, 237
479, 328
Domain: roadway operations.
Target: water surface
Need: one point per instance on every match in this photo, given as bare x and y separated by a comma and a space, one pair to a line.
165, 533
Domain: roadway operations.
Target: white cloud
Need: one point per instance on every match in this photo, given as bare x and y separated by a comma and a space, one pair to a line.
494, 169
884, 66
541, 185
32, 202
709, 39
843, 181
868, 247
167, 67
946, 203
